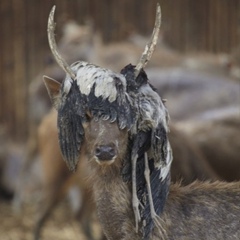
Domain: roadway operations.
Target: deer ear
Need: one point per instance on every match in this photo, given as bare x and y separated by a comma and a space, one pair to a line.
53, 88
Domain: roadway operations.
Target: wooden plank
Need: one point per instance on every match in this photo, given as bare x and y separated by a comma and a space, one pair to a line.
19, 75
8, 64
188, 25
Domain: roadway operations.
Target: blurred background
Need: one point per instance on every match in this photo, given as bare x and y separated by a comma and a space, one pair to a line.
196, 67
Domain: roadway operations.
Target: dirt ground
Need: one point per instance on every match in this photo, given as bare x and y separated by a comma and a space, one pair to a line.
60, 226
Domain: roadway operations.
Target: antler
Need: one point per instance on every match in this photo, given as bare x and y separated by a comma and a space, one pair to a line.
53, 46
150, 47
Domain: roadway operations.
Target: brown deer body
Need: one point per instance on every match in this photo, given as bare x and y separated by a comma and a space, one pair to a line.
188, 165
120, 124
197, 211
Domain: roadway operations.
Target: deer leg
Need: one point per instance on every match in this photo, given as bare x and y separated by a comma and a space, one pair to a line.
53, 194
44, 215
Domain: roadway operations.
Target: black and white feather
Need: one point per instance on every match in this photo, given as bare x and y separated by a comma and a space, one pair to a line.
148, 138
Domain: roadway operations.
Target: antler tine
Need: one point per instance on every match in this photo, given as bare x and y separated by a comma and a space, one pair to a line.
53, 46
150, 47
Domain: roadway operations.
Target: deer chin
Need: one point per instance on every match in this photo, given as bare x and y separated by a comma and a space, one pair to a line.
105, 162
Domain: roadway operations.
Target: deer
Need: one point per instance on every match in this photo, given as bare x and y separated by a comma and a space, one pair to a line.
188, 165
120, 123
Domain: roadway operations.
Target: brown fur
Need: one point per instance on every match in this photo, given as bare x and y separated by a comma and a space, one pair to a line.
197, 211
203, 211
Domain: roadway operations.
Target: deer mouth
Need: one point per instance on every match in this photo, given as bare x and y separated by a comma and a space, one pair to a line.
105, 162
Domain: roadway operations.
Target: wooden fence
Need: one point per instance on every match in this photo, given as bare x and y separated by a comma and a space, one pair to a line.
188, 25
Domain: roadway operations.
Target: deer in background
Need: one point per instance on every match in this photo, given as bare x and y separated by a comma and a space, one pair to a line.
130, 165
185, 90
58, 180
217, 134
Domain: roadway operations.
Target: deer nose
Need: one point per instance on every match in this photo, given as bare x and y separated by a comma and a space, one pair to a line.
105, 152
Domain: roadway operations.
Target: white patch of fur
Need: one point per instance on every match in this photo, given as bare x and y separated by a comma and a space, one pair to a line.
88, 74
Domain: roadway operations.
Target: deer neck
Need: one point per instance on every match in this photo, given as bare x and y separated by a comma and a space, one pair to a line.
113, 199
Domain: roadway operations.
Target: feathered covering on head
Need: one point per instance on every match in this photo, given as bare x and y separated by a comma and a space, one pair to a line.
98, 91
